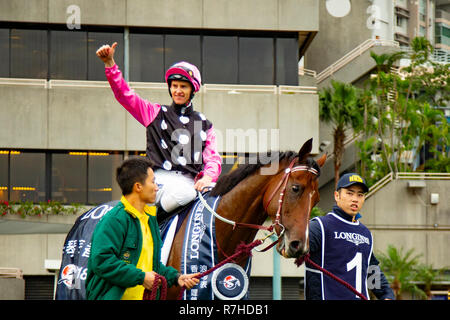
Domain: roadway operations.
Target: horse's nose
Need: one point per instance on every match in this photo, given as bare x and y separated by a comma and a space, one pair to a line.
295, 246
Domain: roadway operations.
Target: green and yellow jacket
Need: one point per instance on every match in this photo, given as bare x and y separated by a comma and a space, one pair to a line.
115, 251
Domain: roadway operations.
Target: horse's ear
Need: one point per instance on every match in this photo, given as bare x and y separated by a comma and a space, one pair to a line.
305, 150
321, 160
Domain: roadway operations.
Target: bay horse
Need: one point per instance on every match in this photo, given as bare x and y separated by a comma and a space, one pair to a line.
249, 195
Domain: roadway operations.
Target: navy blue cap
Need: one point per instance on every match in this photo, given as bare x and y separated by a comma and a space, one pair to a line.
350, 179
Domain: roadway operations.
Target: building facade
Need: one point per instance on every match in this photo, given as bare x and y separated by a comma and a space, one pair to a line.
396, 211
64, 134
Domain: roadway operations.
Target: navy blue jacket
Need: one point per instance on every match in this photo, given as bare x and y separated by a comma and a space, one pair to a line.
313, 281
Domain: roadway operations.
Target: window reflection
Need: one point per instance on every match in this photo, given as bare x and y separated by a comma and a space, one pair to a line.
182, 48
4, 53
256, 61
102, 176
4, 175
287, 61
69, 178
222, 57
27, 172
29, 53
220, 62
146, 57
68, 56
96, 69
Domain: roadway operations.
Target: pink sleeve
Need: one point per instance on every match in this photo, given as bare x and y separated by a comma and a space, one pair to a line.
142, 110
211, 158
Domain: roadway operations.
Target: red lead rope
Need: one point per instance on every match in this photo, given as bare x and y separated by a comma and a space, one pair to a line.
241, 249
299, 262
151, 295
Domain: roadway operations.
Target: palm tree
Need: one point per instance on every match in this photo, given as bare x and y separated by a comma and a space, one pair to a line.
400, 270
422, 48
428, 275
384, 87
339, 106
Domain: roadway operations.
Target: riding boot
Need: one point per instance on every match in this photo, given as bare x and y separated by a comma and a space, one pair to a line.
162, 214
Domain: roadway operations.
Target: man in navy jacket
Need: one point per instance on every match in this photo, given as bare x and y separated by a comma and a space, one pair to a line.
342, 245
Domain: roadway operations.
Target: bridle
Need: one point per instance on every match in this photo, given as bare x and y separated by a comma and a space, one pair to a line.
283, 184
277, 222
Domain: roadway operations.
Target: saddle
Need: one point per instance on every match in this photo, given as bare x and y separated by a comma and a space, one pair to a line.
166, 218
170, 223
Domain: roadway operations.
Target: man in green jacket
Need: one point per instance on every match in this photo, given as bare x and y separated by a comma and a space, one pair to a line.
126, 243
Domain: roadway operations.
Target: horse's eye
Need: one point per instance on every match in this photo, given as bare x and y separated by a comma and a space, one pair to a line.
295, 188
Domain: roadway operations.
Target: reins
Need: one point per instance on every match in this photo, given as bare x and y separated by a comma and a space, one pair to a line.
277, 222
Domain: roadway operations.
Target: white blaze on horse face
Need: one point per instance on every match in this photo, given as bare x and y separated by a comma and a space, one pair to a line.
305, 245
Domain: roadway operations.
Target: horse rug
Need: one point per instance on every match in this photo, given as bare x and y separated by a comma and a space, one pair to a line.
199, 251
76, 251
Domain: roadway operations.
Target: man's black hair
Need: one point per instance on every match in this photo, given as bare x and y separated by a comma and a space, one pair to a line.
131, 171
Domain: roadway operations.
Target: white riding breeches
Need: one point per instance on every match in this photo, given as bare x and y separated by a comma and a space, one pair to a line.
175, 189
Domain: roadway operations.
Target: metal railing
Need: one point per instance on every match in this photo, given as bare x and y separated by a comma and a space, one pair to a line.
229, 88
356, 52
11, 273
438, 55
307, 72
406, 176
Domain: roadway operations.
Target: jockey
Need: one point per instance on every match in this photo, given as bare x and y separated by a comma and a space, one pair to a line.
180, 141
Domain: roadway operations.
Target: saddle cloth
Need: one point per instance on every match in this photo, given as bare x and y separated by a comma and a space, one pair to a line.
199, 251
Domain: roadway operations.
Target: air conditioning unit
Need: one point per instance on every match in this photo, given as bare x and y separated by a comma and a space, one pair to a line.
416, 184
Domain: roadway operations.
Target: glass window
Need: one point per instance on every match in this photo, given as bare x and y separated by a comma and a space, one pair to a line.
256, 61
445, 32
146, 57
29, 53
182, 48
220, 60
68, 56
423, 7
4, 175
102, 176
422, 31
96, 67
287, 61
27, 176
4, 53
69, 175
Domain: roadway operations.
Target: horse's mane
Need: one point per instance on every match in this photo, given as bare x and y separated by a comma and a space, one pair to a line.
231, 179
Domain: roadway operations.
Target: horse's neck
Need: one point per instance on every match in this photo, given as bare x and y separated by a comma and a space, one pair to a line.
244, 203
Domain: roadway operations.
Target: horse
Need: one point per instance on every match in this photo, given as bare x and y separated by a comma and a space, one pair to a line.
249, 195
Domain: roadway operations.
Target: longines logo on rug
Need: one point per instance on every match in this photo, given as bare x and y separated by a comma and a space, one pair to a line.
355, 238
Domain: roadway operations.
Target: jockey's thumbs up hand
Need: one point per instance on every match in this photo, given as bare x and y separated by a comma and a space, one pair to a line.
106, 54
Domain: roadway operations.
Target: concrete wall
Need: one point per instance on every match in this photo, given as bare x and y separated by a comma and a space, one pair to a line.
337, 36
12, 289
89, 118
405, 218
26, 245
358, 68
29, 252
213, 14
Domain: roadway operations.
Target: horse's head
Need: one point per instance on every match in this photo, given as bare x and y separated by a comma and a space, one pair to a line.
297, 191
